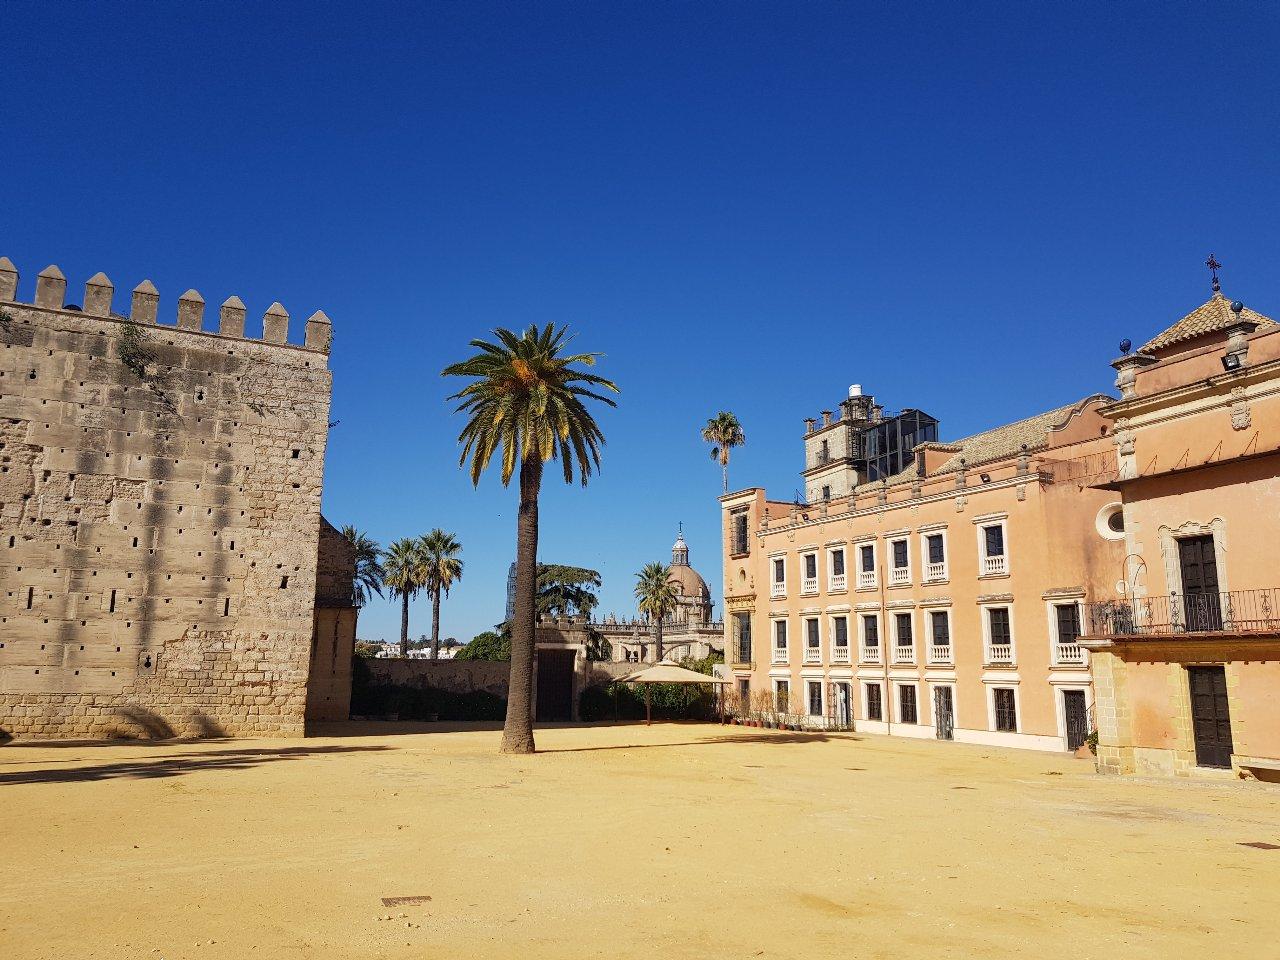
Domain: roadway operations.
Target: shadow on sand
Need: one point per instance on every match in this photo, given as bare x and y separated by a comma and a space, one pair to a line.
172, 766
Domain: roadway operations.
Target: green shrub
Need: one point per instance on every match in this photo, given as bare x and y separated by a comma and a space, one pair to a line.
372, 699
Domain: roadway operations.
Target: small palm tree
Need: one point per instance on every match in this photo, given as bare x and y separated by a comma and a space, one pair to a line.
723, 432
403, 576
657, 595
369, 572
525, 403
442, 568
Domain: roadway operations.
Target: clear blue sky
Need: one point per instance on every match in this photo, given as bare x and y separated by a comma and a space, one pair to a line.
747, 206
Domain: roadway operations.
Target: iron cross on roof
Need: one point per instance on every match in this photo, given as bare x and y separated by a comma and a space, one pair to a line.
1214, 266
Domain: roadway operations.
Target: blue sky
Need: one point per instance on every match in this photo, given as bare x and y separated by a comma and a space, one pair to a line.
745, 206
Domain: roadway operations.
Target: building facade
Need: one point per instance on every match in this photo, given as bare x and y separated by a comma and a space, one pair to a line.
165, 567
1186, 648
926, 589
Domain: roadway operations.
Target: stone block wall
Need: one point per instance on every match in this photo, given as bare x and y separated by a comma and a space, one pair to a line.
159, 515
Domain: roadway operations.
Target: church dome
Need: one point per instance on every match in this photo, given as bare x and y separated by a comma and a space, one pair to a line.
684, 576
689, 583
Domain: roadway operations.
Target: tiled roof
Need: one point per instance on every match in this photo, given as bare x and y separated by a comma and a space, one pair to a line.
1003, 442
1214, 314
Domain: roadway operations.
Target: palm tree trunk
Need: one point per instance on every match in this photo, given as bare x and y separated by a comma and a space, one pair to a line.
404, 625
435, 625
517, 733
724, 470
658, 641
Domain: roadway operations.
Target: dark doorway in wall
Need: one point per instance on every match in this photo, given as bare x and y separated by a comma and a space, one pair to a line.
555, 686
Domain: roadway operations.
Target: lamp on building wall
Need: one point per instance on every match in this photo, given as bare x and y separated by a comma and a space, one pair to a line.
1231, 362
984, 477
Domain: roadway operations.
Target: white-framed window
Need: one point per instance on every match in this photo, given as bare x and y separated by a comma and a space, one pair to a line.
839, 579
933, 554
778, 577
993, 548
939, 625
1004, 709
997, 635
873, 701
781, 695
808, 573
780, 641
866, 566
899, 561
840, 638
812, 640
904, 636
869, 637
815, 697
1065, 620
908, 702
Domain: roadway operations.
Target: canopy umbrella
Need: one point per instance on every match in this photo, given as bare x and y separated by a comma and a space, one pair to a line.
666, 673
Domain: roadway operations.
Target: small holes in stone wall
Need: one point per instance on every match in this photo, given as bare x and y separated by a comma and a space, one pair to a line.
284, 582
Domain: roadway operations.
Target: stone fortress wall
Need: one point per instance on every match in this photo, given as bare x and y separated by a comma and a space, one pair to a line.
159, 515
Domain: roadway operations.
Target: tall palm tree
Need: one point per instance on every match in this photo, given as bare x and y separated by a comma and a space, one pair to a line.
369, 572
403, 576
723, 432
657, 596
526, 397
442, 568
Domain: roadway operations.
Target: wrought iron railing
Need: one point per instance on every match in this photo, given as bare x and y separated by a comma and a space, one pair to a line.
1235, 611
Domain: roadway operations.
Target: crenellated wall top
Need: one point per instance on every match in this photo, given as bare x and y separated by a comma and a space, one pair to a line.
51, 294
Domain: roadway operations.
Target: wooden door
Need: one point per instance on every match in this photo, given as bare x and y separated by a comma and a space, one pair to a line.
1210, 716
1202, 608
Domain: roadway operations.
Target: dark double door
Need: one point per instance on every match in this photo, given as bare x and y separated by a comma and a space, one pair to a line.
1076, 713
1210, 716
1201, 601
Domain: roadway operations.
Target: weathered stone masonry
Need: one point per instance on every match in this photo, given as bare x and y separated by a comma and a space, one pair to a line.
159, 515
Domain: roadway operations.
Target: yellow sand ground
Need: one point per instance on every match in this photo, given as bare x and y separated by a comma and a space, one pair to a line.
622, 841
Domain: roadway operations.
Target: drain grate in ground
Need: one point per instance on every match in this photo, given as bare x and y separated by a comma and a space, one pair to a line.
404, 901
1260, 845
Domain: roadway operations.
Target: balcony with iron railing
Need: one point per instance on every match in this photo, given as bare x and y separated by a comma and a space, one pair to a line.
840, 653
866, 579
839, 582
871, 654
995, 566
899, 576
935, 572
1248, 612
904, 653
1000, 654
778, 589
808, 586
940, 654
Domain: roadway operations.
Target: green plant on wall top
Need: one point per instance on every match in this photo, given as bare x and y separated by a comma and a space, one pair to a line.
135, 350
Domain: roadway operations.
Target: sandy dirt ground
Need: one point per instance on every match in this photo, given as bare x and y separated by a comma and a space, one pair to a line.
621, 841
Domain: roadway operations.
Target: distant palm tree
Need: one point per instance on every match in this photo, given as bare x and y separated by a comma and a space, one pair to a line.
526, 398
657, 595
369, 572
724, 432
442, 568
404, 575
